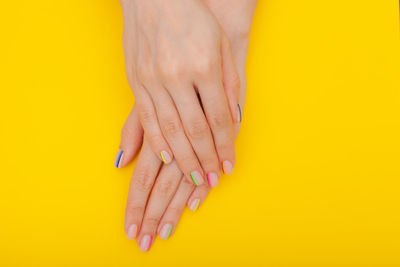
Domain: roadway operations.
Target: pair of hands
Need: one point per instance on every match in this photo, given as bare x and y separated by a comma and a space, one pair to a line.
185, 77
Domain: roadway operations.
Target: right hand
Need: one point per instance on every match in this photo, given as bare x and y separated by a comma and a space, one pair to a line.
179, 63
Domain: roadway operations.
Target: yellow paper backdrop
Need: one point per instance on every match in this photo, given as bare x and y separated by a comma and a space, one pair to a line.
317, 181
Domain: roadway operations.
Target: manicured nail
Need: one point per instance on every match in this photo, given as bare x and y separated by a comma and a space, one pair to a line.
132, 232
195, 204
118, 159
166, 158
146, 243
227, 167
166, 231
239, 116
196, 177
212, 179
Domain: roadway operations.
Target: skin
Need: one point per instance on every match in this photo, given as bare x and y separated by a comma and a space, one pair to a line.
180, 68
158, 194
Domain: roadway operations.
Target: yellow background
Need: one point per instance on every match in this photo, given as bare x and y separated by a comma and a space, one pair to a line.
318, 176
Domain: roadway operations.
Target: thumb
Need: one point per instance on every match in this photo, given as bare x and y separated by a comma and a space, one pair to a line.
131, 140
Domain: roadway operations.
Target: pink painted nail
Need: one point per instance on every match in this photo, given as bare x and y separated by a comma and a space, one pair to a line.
197, 178
166, 157
146, 243
166, 231
227, 167
212, 179
132, 232
194, 205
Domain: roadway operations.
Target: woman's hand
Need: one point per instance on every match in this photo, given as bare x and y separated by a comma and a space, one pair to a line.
160, 213
158, 194
179, 65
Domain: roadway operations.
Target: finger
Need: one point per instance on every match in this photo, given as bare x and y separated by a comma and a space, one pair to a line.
143, 177
197, 197
174, 211
163, 191
131, 140
230, 79
199, 133
218, 115
173, 131
149, 121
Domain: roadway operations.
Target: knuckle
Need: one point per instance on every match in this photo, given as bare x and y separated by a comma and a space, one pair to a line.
165, 187
210, 163
171, 127
234, 81
156, 140
225, 149
146, 115
187, 183
175, 211
143, 181
134, 210
219, 120
197, 129
127, 132
145, 74
151, 221
205, 66
172, 71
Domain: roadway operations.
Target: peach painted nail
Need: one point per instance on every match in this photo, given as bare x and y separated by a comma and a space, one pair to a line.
195, 204
165, 156
166, 231
227, 167
146, 243
132, 232
196, 177
212, 179
118, 159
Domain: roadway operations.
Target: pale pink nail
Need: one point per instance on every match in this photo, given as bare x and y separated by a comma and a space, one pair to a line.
166, 157
227, 167
132, 231
194, 205
166, 231
197, 178
146, 243
212, 179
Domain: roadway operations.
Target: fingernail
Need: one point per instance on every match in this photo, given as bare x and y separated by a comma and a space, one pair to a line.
212, 179
195, 204
227, 167
145, 243
118, 159
166, 231
239, 115
132, 232
166, 158
196, 177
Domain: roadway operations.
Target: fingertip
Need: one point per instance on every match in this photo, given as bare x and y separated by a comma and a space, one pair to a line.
212, 179
197, 178
194, 204
132, 232
145, 243
239, 114
118, 159
166, 231
165, 157
227, 167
